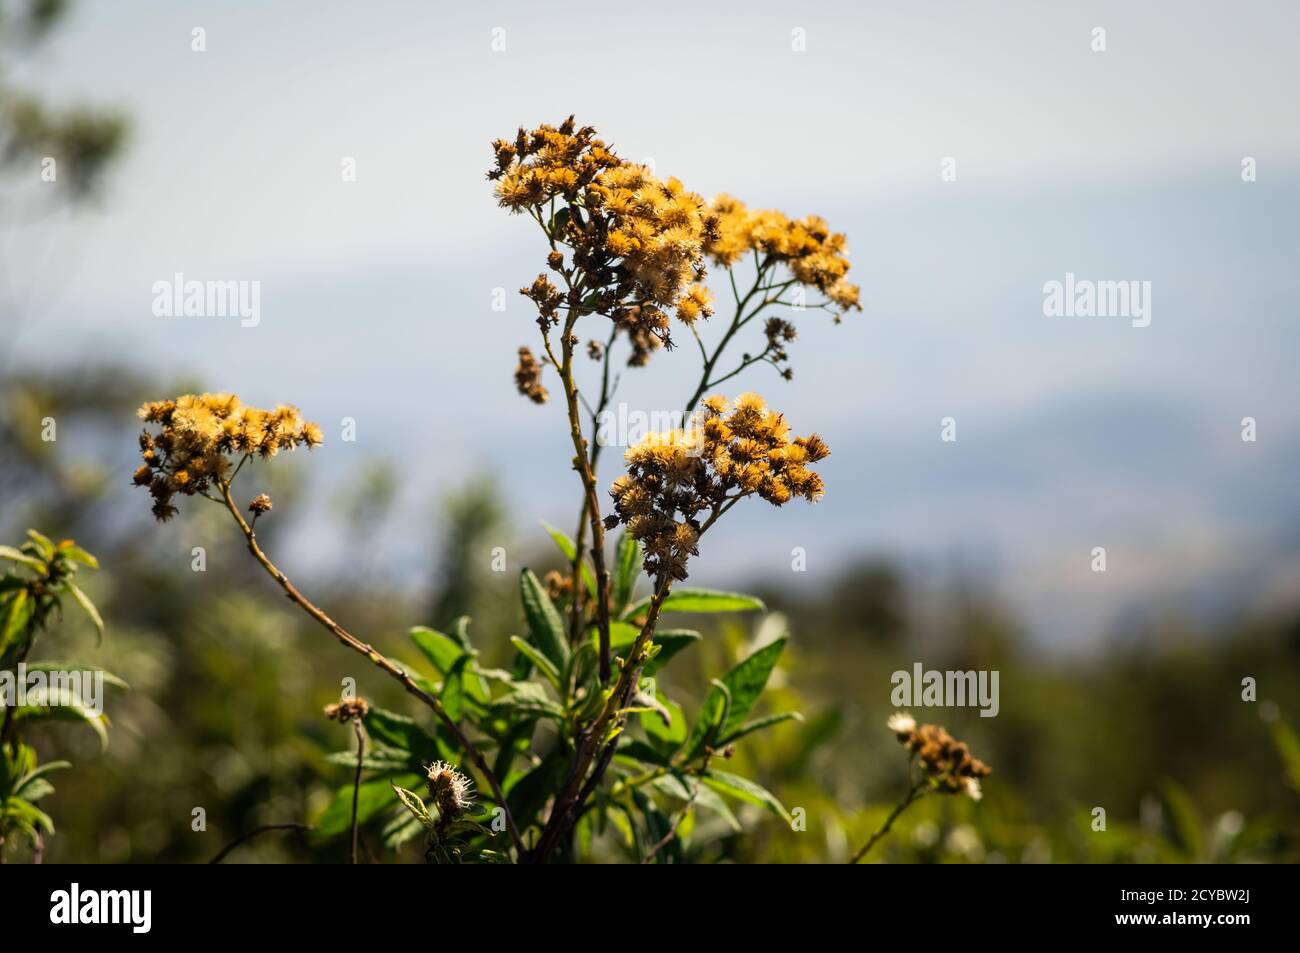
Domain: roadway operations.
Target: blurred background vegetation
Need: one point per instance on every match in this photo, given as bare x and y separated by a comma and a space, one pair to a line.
228, 683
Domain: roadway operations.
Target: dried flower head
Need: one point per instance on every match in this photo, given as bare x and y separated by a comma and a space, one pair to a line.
678, 482
528, 377
559, 586
198, 433
451, 791
816, 256
260, 504
945, 760
350, 709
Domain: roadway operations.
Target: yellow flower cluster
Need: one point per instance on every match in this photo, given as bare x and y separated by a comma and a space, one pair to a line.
198, 432
816, 256
947, 761
548, 162
657, 228
678, 481
638, 240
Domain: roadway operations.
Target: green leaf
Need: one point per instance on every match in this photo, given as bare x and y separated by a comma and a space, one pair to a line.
709, 722
36, 775
527, 698
78, 555
759, 724
412, 802
627, 566
743, 789
373, 799
43, 543
730, 701
453, 690
621, 634
36, 790
63, 704
460, 632
530, 792
544, 621
442, 651
537, 658
15, 612
1186, 821
18, 556
402, 733
383, 760
665, 737
709, 799
697, 600
47, 665
84, 601
746, 682
1288, 749
567, 547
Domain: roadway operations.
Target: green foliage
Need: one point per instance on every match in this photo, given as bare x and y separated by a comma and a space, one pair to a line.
32, 596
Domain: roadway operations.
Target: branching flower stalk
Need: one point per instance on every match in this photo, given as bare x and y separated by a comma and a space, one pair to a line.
632, 248
190, 457
628, 248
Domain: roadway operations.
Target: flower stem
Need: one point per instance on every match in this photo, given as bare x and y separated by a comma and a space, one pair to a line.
383, 662
913, 793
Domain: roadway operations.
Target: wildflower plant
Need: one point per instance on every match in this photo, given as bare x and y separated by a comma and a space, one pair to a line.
575, 740
33, 592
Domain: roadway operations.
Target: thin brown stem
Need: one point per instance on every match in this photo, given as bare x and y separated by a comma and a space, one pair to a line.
356, 782
913, 793
672, 830
578, 787
245, 838
381, 661
582, 463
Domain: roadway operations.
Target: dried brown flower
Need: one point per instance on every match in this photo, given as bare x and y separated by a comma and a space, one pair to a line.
349, 709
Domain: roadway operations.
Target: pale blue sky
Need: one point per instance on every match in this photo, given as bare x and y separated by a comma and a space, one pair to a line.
1072, 432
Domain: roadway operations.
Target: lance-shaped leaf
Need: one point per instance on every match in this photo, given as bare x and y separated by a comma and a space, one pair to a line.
627, 566
88, 607
544, 623
746, 682
758, 724
745, 790
411, 801
18, 556
709, 722
535, 656
697, 600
